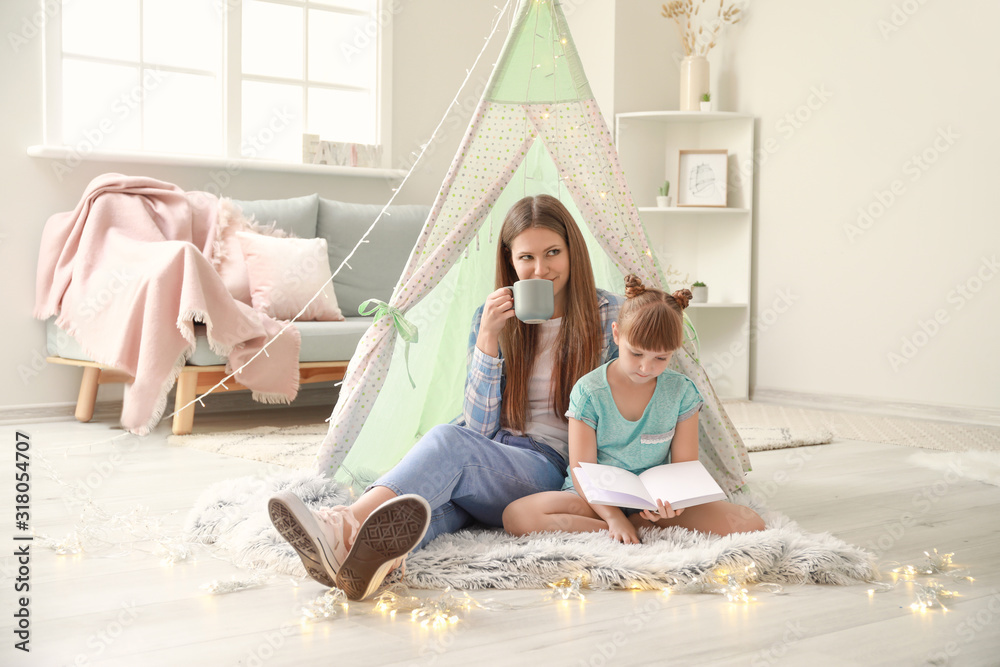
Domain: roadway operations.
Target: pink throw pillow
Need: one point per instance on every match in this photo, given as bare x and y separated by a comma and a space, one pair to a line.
284, 275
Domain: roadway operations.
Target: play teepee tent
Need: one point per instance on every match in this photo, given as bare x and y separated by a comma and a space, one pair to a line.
537, 130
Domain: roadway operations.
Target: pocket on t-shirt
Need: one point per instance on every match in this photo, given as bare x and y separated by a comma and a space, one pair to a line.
656, 438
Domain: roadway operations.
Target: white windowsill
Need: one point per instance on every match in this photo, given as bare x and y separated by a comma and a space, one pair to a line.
235, 165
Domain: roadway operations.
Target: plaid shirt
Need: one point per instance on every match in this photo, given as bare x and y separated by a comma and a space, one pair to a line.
485, 381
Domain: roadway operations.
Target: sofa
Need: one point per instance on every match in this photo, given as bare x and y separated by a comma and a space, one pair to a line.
327, 346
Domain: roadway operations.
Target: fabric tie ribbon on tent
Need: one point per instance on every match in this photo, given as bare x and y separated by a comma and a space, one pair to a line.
407, 330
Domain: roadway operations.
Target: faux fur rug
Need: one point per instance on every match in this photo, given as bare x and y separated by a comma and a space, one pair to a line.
231, 517
289, 446
759, 438
922, 433
980, 466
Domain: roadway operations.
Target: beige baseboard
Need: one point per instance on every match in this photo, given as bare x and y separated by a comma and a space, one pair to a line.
946, 413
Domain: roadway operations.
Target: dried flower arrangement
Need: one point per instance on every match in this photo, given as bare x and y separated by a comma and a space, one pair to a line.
699, 43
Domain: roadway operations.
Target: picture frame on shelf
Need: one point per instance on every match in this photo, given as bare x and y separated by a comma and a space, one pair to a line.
703, 178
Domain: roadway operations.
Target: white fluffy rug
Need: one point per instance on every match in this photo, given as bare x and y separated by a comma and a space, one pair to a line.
231, 517
759, 438
923, 433
980, 466
289, 446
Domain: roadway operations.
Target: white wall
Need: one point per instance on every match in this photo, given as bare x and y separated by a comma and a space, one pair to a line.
845, 100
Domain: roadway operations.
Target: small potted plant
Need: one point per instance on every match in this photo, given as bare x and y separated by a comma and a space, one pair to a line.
706, 102
699, 292
664, 201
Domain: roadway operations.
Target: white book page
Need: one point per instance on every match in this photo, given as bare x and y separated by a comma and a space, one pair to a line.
609, 479
682, 484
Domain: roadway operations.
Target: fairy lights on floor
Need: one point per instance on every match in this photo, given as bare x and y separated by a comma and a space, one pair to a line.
930, 594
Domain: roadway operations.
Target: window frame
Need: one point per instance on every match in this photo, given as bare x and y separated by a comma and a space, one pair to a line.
232, 78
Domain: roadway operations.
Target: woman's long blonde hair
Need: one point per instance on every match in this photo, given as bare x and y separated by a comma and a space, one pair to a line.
581, 337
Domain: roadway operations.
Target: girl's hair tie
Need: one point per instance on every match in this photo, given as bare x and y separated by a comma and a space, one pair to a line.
633, 286
682, 297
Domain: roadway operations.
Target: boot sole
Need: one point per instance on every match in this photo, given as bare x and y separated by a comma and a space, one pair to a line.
294, 530
391, 531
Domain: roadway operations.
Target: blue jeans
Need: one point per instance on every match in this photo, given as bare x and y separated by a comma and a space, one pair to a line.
467, 477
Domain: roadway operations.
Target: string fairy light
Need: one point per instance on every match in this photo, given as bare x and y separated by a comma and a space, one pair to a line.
734, 584
326, 606
930, 596
934, 563
364, 238
568, 588
98, 531
235, 583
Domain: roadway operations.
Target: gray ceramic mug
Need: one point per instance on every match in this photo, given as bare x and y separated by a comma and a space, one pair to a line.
534, 300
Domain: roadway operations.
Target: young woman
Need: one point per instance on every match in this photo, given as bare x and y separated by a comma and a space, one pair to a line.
514, 440
632, 413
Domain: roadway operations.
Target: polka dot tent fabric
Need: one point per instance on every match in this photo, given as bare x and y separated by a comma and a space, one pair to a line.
495, 144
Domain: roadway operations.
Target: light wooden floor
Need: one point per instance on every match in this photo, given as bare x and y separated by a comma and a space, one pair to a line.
131, 610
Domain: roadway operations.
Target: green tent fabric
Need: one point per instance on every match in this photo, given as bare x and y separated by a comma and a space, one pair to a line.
537, 130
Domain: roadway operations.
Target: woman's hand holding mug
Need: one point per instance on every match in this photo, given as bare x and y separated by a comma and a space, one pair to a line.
531, 300
498, 309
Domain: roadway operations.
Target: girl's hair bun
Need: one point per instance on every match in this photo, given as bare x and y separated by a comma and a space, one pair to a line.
633, 286
682, 297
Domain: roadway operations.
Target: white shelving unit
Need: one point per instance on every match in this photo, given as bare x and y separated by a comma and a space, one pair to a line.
712, 245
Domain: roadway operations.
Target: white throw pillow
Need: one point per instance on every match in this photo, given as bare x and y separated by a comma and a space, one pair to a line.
284, 275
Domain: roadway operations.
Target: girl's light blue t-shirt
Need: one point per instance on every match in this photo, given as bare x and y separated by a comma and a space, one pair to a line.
635, 446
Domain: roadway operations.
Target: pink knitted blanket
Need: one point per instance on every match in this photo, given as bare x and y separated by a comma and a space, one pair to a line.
129, 272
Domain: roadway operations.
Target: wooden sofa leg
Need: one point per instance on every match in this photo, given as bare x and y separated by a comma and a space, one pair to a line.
187, 384
87, 398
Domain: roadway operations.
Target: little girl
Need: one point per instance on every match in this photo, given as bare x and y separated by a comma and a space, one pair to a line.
635, 414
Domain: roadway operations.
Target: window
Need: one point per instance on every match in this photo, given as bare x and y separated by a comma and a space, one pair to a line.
225, 78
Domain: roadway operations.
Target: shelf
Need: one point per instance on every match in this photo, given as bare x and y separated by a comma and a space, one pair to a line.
707, 243
212, 162
685, 116
717, 305
692, 209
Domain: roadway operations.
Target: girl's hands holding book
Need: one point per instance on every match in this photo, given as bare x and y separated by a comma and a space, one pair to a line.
663, 511
622, 530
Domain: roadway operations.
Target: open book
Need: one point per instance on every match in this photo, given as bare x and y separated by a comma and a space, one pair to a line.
680, 484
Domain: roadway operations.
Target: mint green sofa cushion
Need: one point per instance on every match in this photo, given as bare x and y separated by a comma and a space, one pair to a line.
378, 264
321, 341
295, 214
